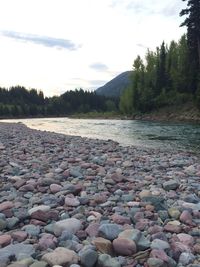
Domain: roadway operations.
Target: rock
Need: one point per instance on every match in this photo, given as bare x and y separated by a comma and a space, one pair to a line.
143, 243
159, 254
41, 208
47, 241
5, 240
72, 225
160, 244
186, 217
39, 264
19, 236
174, 213
124, 247
186, 258
103, 245
119, 219
132, 234
105, 260
72, 202
172, 228
92, 229
3, 224
60, 256
31, 230
17, 250
170, 185
6, 205
54, 188
109, 231
88, 258
186, 239
155, 262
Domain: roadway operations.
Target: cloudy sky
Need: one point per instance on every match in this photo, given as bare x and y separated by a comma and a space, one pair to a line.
58, 45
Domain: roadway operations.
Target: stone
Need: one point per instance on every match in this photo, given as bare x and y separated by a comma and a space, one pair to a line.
132, 234
92, 229
186, 258
174, 213
186, 239
41, 208
19, 236
186, 217
105, 260
39, 264
72, 225
143, 243
17, 250
88, 258
5, 240
72, 202
160, 244
60, 256
109, 231
3, 224
47, 241
172, 228
159, 254
170, 185
6, 205
31, 230
55, 188
103, 245
155, 262
124, 247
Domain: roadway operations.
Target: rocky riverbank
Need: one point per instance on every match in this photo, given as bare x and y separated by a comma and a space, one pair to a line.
72, 201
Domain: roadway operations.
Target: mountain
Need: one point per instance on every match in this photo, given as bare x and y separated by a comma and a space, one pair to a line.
116, 86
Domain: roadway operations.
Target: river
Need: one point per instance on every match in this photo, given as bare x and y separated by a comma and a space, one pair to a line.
183, 136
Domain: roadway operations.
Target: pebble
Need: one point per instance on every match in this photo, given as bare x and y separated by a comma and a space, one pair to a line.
72, 201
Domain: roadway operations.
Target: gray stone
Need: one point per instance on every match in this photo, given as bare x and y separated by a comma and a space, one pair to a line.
170, 185
31, 230
143, 243
88, 258
3, 224
159, 244
105, 260
186, 258
72, 225
154, 262
39, 264
109, 231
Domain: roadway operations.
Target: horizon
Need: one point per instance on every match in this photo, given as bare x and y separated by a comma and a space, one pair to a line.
85, 45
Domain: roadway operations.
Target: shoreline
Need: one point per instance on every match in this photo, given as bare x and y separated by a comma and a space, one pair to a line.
70, 200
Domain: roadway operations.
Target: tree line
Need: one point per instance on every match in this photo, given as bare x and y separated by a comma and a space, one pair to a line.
171, 74
18, 101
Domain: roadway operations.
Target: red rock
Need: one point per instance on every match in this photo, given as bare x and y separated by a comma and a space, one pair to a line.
159, 254
37, 222
54, 188
172, 228
117, 177
8, 213
124, 247
197, 248
186, 217
47, 241
6, 205
93, 229
40, 215
155, 229
186, 239
119, 219
5, 240
142, 224
19, 236
27, 188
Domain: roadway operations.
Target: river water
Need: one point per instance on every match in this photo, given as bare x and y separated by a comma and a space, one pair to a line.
183, 136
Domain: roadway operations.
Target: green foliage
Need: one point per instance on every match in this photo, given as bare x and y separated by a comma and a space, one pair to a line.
20, 102
162, 79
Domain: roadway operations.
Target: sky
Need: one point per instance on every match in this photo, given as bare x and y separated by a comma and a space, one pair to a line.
60, 45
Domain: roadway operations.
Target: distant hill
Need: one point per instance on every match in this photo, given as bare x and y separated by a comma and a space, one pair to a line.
116, 86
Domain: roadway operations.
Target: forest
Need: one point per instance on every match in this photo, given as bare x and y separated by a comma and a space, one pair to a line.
19, 102
171, 74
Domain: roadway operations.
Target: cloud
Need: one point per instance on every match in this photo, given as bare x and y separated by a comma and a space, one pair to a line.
41, 40
98, 66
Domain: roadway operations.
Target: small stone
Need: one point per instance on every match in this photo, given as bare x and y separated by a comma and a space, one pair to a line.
186, 258
39, 264
3, 224
55, 188
109, 231
19, 236
172, 228
5, 240
60, 256
72, 225
72, 202
105, 260
47, 241
88, 258
186, 217
159, 254
103, 245
6, 205
186, 239
174, 213
41, 207
160, 244
155, 262
170, 185
124, 247
132, 234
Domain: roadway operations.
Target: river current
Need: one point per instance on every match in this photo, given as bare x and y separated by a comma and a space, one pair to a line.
183, 136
